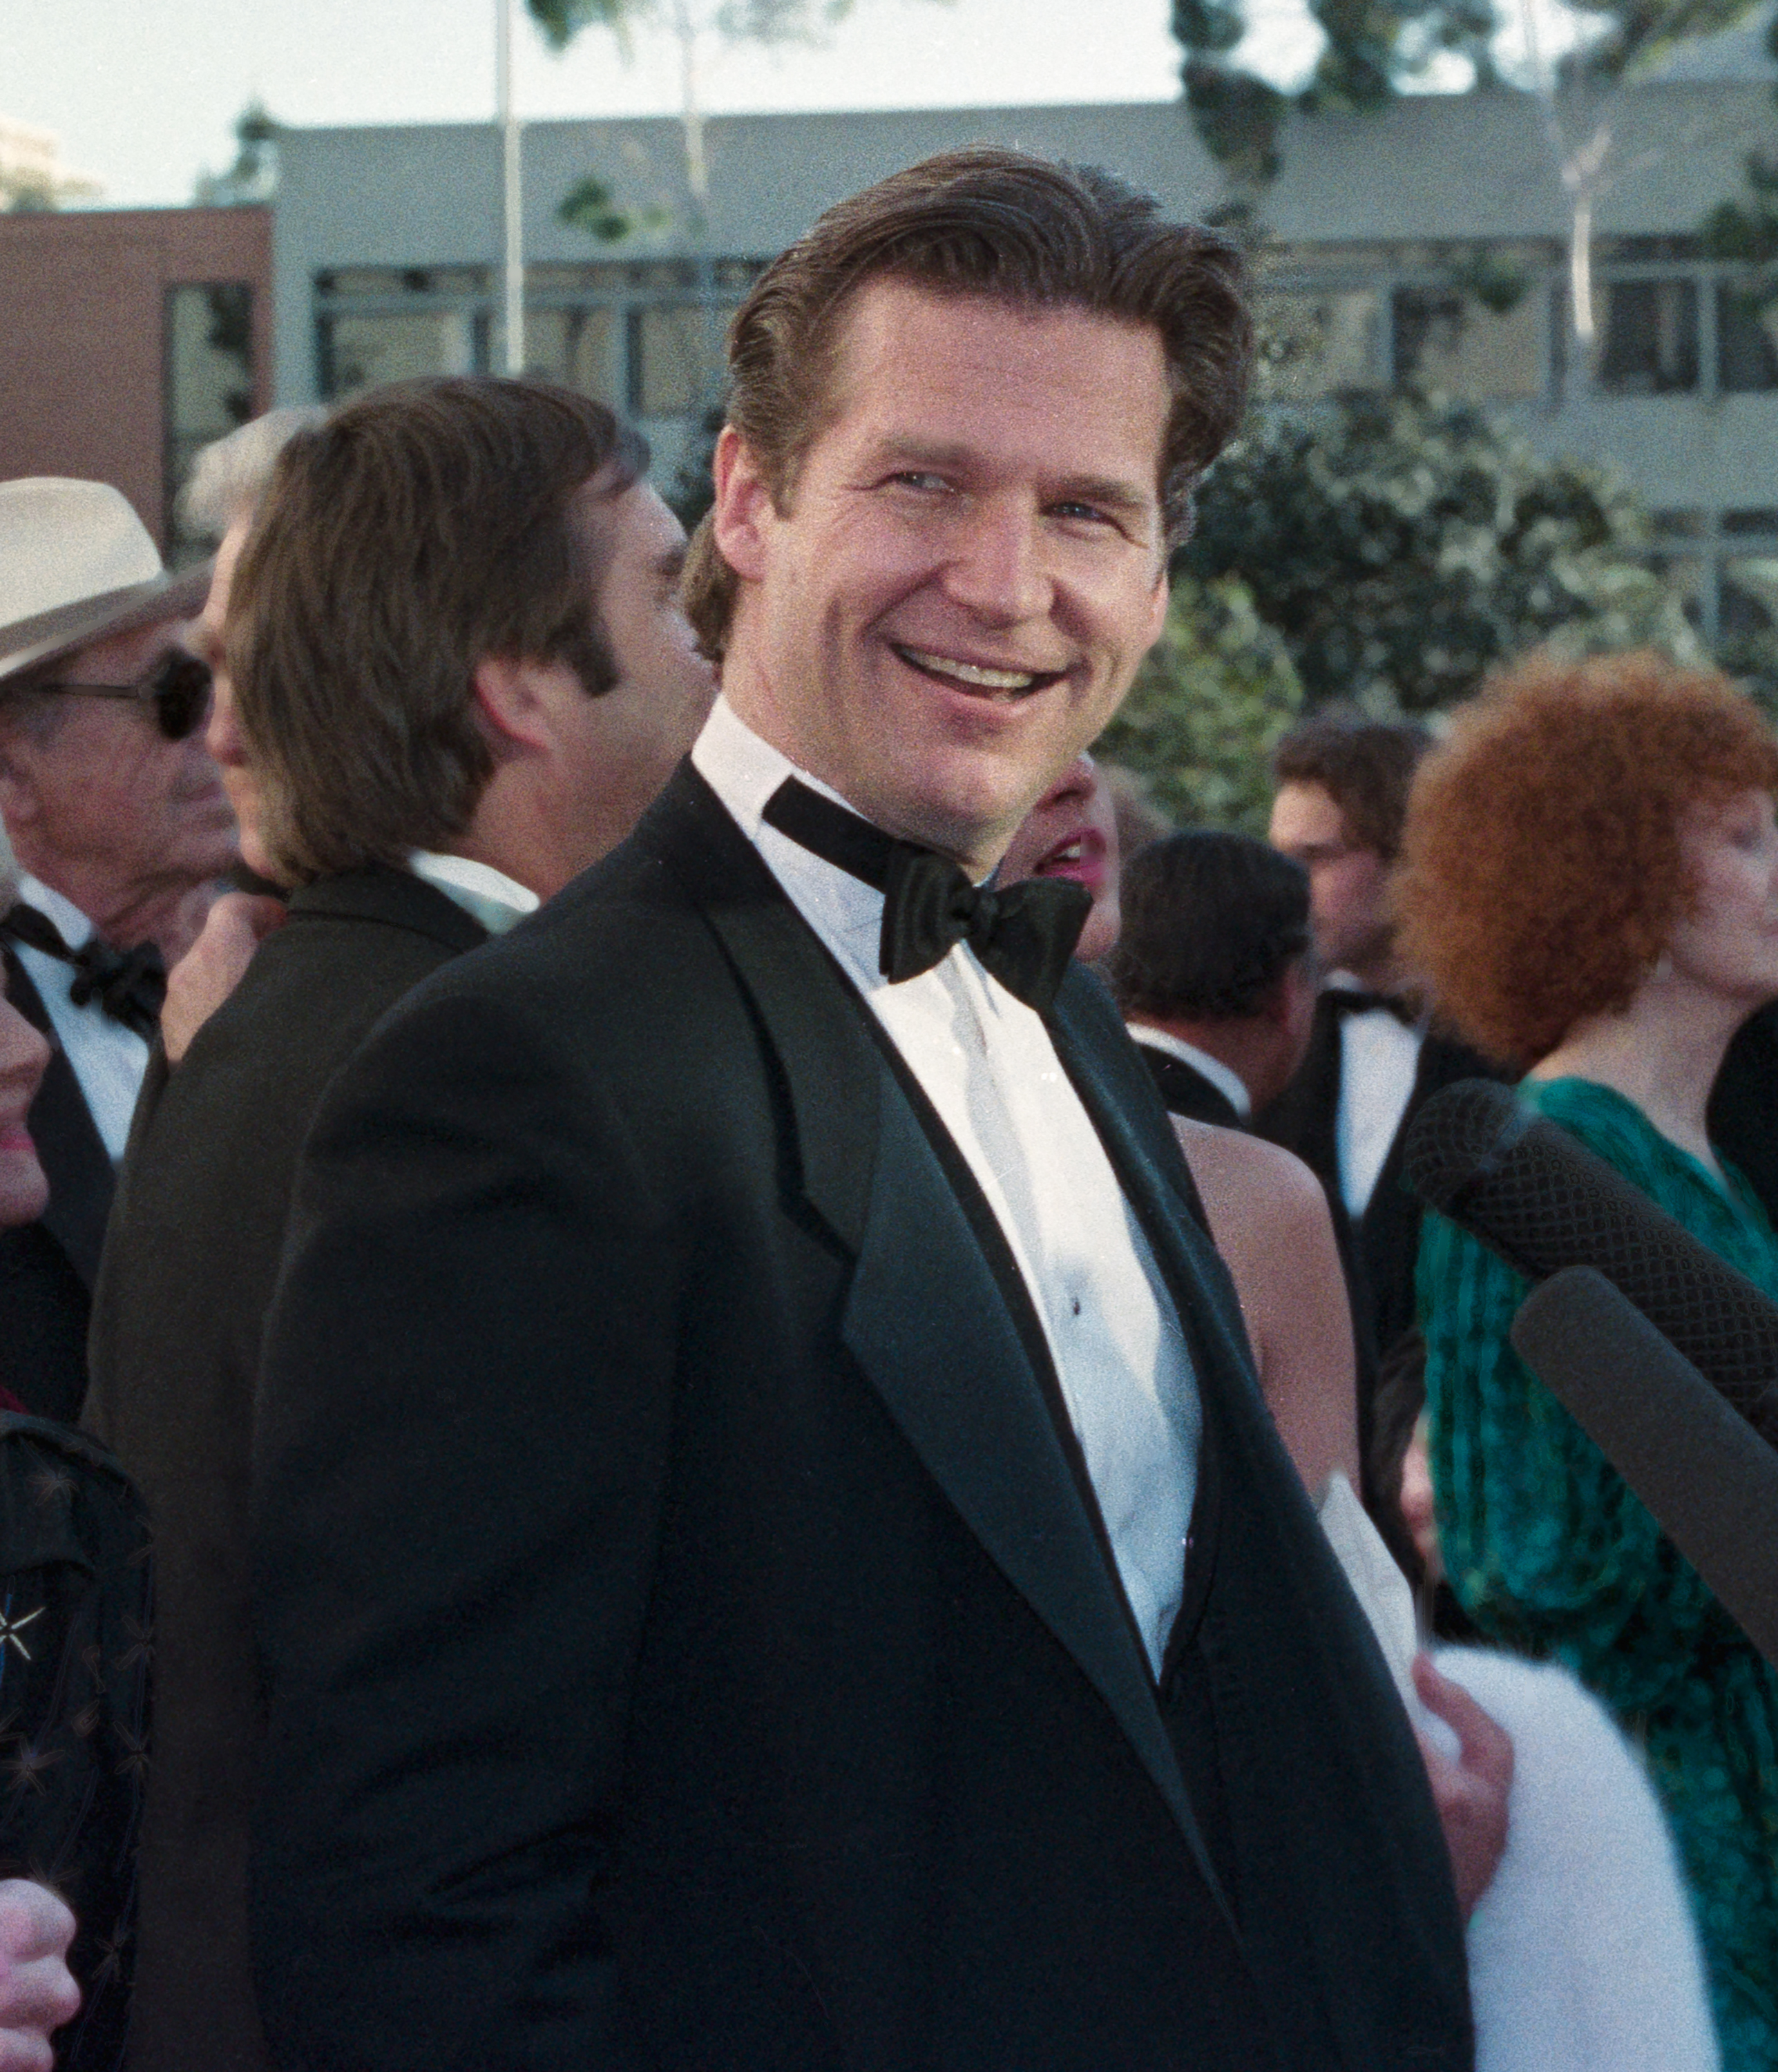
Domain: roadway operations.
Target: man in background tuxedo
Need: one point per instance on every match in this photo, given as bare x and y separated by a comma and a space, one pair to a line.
768, 1550
121, 828
1215, 971
454, 671
1342, 784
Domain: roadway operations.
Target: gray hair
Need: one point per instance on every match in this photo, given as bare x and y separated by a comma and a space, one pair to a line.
230, 475
9, 872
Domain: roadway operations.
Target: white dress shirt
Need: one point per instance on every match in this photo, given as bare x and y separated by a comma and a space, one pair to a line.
487, 895
1379, 1056
986, 1063
108, 1060
1227, 1081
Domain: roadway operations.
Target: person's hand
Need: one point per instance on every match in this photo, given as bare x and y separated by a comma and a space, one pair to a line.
1471, 1792
207, 974
37, 1991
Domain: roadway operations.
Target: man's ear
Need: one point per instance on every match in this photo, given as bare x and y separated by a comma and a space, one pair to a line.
743, 507
1157, 609
512, 703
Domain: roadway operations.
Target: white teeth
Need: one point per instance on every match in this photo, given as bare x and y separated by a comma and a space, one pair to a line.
968, 672
1071, 854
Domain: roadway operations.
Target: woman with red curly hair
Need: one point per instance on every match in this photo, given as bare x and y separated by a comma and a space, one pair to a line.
1589, 885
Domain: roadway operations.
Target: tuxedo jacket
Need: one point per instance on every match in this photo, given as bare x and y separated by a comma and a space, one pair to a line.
1185, 1090
689, 1640
47, 1268
187, 1275
1382, 1247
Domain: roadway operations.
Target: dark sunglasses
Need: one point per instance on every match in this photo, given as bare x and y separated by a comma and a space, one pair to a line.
178, 687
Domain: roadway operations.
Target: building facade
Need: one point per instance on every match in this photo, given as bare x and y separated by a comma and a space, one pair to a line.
387, 250
133, 337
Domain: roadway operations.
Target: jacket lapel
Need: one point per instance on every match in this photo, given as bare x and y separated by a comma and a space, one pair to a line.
924, 1316
81, 1181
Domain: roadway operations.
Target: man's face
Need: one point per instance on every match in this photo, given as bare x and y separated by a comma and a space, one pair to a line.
224, 739
1349, 884
103, 807
971, 567
627, 741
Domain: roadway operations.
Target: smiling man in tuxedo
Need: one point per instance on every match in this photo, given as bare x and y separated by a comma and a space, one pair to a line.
769, 1552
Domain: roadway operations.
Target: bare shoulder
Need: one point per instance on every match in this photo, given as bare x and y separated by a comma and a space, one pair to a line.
1232, 1168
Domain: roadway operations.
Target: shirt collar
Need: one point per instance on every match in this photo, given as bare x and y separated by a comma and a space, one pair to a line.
72, 925
486, 895
1224, 1078
743, 771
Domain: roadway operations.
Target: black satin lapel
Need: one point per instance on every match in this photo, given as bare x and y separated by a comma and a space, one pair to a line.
925, 1320
833, 1081
81, 1181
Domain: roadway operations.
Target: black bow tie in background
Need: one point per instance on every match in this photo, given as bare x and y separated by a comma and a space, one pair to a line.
129, 985
1023, 935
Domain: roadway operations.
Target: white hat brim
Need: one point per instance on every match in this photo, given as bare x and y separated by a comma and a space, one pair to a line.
29, 641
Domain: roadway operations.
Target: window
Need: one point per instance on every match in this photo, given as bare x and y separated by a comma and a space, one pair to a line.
1746, 341
676, 359
581, 348
1650, 343
1455, 344
359, 351
644, 335
208, 378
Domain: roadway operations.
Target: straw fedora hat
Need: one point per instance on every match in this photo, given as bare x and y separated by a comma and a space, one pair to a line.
77, 564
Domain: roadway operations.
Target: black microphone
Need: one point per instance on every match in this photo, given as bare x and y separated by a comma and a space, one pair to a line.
1542, 1202
1710, 1481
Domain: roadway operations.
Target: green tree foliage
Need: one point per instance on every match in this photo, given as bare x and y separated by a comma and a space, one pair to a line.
1375, 49
1207, 707
736, 20
1403, 545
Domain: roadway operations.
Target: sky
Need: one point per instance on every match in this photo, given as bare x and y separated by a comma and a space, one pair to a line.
143, 92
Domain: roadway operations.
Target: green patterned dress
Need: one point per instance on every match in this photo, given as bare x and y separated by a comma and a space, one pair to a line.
1552, 1555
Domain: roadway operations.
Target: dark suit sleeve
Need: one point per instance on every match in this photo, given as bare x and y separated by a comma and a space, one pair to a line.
463, 1427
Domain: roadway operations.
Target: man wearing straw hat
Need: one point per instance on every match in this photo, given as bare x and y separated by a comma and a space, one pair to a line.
120, 821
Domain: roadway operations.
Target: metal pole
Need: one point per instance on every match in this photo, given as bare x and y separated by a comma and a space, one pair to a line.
512, 191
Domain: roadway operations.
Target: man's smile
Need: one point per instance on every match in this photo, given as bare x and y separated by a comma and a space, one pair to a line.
979, 679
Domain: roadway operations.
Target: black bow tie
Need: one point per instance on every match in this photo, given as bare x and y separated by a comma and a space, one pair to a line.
1024, 934
1352, 1000
129, 985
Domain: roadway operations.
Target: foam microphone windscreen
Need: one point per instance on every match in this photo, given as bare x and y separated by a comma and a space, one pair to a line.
1542, 1201
1710, 1482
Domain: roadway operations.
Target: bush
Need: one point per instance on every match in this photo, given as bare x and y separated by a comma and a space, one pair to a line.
1403, 545
1208, 705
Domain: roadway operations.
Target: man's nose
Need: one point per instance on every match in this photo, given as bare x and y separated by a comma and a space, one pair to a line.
221, 735
998, 569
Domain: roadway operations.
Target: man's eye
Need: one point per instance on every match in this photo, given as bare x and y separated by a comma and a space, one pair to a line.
920, 478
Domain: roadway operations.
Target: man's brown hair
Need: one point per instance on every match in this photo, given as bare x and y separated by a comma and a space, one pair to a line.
423, 528
1365, 766
1023, 230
